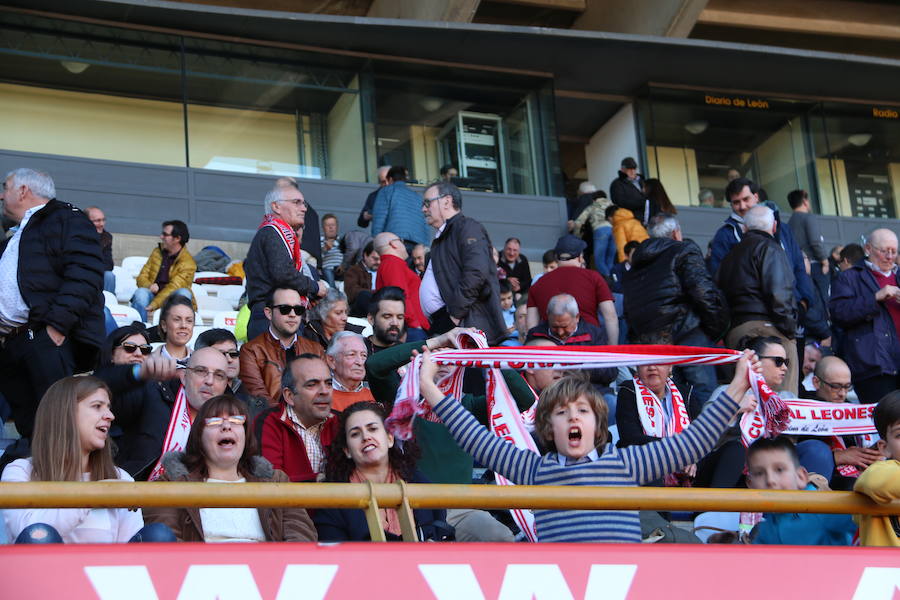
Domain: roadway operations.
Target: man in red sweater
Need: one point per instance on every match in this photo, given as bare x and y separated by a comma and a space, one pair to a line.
393, 271
296, 433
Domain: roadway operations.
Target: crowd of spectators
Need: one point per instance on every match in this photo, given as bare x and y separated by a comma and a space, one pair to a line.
307, 396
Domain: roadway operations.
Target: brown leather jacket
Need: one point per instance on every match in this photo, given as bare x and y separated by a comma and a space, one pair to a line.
262, 364
279, 524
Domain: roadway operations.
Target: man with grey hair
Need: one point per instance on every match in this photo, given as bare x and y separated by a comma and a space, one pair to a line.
669, 291
565, 327
51, 307
758, 282
865, 302
274, 260
346, 357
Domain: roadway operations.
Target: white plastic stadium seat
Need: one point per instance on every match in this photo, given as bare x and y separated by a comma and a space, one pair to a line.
709, 523
225, 320
109, 299
198, 290
212, 303
125, 284
198, 329
134, 264
124, 315
231, 293
205, 274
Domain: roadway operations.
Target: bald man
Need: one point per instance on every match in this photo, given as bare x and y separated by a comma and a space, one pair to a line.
865, 302
393, 271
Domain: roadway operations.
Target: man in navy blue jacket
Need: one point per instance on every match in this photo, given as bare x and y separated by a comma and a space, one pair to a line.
743, 194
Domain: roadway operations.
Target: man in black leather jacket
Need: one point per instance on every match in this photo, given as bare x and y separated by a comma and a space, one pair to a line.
758, 281
669, 291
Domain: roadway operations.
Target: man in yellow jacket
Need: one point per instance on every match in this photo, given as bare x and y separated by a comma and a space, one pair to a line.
169, 270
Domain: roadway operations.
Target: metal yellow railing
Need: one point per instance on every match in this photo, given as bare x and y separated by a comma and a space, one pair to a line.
405, 497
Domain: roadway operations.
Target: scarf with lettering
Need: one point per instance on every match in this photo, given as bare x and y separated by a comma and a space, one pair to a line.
176, 433
291, 242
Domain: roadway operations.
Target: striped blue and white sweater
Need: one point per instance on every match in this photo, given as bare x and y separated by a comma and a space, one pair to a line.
630, 466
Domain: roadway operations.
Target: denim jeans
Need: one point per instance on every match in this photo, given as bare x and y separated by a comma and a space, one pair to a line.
143, 297
109, 281
701, 378
604, 250
328, 276
109, 322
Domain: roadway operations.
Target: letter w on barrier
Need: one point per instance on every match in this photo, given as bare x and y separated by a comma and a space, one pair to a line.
211, 582
528, 582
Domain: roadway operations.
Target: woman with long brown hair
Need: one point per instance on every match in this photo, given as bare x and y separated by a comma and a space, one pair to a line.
71, 443
363, 450
221, 449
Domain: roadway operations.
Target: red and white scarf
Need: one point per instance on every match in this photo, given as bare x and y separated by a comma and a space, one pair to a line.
291, 242
176, 434
409, 403
503, 415
654, 418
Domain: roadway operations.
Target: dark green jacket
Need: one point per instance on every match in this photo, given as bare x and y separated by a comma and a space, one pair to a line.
442, 461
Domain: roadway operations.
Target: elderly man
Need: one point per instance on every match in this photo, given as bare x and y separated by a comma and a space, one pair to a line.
296, 433
460, 285
669, 291
515, 265
570, 277
565, 327
865, 302
274, 261
743, 194
51, 308
169, 270
758, 282
225, 342
346, 357
263, 358
393, 271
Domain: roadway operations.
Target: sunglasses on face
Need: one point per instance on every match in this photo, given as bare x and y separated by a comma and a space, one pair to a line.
130, 347
286, 309
231, 353
779, 361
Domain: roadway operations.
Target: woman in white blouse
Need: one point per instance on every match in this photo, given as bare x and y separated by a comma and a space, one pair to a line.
221, 450
71, 443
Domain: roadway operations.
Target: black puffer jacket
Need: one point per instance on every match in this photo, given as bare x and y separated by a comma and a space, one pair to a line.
758, 281
466, 275
61, 277
669, 290
623, 193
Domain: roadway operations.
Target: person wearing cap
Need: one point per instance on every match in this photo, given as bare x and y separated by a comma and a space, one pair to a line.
460, 285
587, 287
627, 191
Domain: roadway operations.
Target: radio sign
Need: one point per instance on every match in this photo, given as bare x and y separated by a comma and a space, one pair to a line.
885, 113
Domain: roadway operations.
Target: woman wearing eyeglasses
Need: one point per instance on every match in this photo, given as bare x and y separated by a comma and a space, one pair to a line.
328, 317
221, 450
143, 391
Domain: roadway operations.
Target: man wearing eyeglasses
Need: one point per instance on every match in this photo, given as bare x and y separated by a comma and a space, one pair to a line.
865, 302
169, 270
833, 382
274, 259
263, 358
460, 285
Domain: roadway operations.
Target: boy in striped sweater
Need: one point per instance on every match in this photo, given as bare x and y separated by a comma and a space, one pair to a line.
572, 418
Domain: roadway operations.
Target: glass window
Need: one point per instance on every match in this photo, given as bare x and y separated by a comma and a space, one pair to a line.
254, 111
82, 90
697, 142
857, 150
494, 136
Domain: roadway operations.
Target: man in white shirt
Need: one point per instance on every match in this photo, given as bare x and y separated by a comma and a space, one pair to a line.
51, 308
